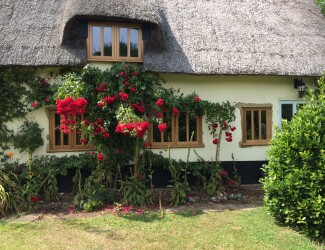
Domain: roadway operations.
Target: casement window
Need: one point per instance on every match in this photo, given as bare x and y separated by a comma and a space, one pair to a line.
288, 108
60, 142
178, 132
115, 42
256, 125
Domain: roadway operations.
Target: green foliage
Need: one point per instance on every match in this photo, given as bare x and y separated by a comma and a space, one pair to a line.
73, 86
13, 83
179, 183
134, 190
295, 175
185, 103
29, 137
10, 193
321, 4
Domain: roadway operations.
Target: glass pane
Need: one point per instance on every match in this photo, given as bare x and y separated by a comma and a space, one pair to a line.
286, 111
167, 118
78, 132
156, 132
263, 123
193, 127
65, 139
123, 42
57, 138
107, 41
248, 125
256, 125
96, 41
134, 42
182, 126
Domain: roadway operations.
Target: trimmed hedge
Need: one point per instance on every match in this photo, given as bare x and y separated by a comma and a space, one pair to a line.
294, 181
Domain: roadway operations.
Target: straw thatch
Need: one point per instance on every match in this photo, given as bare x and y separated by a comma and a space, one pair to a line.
277, 37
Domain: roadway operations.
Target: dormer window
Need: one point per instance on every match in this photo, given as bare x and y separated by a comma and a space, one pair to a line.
115, 42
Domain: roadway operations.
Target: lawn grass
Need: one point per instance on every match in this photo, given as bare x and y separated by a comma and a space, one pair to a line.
245, 229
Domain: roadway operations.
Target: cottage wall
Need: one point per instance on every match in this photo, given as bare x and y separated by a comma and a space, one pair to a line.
236, 89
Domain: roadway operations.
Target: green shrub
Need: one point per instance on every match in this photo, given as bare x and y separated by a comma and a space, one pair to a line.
294, 181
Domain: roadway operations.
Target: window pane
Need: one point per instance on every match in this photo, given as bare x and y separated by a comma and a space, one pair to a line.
263, 123
107, 41
182, 126
167, 118
96, 41
287, 111
57, 134
65, 139
193, 127
156, 132
248, 125
256, 125
123, 41
134, 42
78, 132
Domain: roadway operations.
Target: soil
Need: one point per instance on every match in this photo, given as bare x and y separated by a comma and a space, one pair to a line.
251, 197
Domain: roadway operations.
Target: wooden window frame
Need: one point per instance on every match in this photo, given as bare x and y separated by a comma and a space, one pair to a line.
115, 42
260, 141
175, 143
72, 145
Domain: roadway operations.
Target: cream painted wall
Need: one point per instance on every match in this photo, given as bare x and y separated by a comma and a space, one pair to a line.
244, 89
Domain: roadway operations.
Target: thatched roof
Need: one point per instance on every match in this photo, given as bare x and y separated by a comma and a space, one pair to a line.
276, 37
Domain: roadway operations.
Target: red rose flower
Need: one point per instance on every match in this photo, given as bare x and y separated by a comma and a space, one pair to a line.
34, 104
124, 96
162, 127
228, 133
229, 139
133, 89
223, 173
197, 98
83, 141
100, 157
134, 73
117, 151
106, 135
160, 102
100, 104
159, 115
231, 182
215, 141
146, 144
233, 128
34, 199
175, 111
225, 124
215, 125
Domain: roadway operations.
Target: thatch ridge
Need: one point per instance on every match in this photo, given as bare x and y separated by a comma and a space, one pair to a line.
272, 37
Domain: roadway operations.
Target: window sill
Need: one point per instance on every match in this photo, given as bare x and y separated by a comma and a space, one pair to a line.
164, 146
62, 150
114, 60
255, 143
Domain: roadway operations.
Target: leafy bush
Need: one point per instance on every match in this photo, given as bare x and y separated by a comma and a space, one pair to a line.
10, 193
295, 175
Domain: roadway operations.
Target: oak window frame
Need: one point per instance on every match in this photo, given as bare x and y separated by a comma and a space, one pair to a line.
175, 142
72, 145
115, 42
260, 141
